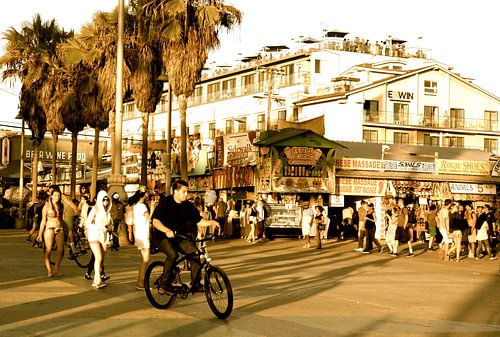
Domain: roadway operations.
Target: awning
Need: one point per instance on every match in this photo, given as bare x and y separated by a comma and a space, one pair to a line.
296, 137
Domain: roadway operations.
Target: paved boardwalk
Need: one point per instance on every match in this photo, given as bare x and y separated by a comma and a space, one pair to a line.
280, 288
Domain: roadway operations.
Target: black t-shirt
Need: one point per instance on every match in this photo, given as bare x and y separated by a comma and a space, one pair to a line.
181, 218
370, 221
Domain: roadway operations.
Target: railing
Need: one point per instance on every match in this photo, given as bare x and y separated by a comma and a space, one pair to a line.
420, 120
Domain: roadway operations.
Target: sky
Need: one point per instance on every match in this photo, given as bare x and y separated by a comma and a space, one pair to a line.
460, 34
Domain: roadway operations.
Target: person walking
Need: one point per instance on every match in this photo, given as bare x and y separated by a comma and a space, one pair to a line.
401, 230
471, 218
457, 225
432, 221
69, 215
51, 230
97, 225
391, 218
370, 228
117, 215
306, 224
482, 236
361, 225
444, 228
319, 224
141, 229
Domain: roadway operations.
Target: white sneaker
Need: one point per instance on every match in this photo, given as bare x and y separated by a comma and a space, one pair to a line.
359, 249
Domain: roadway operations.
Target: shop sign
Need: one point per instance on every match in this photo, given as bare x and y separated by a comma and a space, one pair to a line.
229, 177
301, 155
302, 185
465, 167
236, 149
395, 95
336, 200
473, 188
359, 164
361, 187
409, 166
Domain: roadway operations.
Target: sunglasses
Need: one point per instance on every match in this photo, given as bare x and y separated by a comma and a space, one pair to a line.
105, 199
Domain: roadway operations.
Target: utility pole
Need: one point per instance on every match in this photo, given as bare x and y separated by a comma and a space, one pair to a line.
270, 85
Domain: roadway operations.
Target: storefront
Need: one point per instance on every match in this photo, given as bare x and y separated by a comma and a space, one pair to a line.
295, 168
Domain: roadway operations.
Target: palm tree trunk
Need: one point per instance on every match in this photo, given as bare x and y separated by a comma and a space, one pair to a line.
95, 165
181, 99
34, 173
54, 158
74, 146
144, 149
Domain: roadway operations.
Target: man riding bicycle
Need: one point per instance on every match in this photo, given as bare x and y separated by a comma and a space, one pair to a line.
175, 215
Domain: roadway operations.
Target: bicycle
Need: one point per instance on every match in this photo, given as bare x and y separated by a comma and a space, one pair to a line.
218, 290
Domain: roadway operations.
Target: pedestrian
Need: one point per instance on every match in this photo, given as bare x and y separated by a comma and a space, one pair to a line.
220, 213
252, 221
141, 229
98, 224
471, 218
361, 225
69, 215
391, 219
319, 224
51, 230
307, 224
117, 215
36, 211
432, 222
444, 229
402, 230
457, 225
176, 216
370, 228
483, 236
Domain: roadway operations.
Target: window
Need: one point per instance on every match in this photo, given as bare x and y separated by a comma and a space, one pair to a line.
241, 124
431, 140
491, 120
295, 116
457, 119
370, 109
261, 122
211, 130
401, 138
248, 84
173, 133
197, 96
370, 136
491, 145
229, 126
282, 115
317, 66
129, 111
288, 75
430, 88
431, 114
453, 141
214, 92
229, 88
401, 113
196, 129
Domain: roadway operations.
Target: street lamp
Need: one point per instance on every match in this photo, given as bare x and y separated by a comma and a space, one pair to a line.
384, 149
168, 168
19, 222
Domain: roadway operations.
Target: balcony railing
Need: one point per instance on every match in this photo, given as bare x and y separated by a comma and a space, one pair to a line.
441, 122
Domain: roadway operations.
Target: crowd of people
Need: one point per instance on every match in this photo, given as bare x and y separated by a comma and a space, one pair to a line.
154, 222
462, 230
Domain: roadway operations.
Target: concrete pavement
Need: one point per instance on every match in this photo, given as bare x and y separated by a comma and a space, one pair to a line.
281, 289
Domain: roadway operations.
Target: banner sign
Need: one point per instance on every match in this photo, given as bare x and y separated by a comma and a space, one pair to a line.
495, 172
473, 188
235, 149
302, 185
361, 187
300, 155
359, 164
409, 166
465, 167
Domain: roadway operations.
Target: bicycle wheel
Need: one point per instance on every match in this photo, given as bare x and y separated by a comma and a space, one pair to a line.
218, 292
156, 296
82, 252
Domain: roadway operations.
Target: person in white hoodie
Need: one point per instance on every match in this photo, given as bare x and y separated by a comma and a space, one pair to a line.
97, 225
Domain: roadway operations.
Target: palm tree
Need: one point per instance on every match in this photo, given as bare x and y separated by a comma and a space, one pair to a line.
95, 46
146, 66
190, 29
28, 57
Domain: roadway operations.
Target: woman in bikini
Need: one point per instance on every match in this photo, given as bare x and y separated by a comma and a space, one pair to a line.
51, 230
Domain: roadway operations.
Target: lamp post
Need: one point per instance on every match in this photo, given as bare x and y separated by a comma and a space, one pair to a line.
117, 179
20, 219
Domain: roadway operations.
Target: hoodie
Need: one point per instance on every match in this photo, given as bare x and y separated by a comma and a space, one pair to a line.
99, 216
